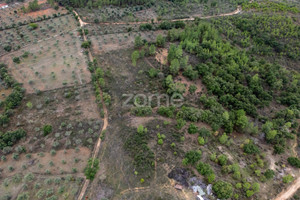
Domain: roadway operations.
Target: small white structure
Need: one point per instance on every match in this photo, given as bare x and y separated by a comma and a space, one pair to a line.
209, 189
3, 6
198, 190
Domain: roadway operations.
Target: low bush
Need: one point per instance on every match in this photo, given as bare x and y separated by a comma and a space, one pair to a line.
47, 129
91, 168
10, 138
294, 161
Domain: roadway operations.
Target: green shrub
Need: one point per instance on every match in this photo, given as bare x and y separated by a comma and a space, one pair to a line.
142, 111
192, 89
23, 196
222, 159
134, 57
166, 111
91, 169
47, 129
9, 138
33, 26
160, 141
294, 161
269, 174
192, 157
192, 129
211, 178
201, 140
138, 42
251, 148
17, 60
152, 50
7, 48
160, 41
204, 169
223, 139
288, 178
153, 73
204, 132
146, 27
86, 44
222, 189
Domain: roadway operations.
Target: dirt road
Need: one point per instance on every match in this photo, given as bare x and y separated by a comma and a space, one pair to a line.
290, 191
105, 124
192, 18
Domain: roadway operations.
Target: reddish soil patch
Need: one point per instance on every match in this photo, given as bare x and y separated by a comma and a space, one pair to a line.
4, 93
198, 83
136, 121
47, 12
162, 56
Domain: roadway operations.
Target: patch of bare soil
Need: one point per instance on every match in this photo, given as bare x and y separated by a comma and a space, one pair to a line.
294, 187
198, 83
146, 14
136, 121
5, 93
290, 191
112, 42
162, 56
47, 12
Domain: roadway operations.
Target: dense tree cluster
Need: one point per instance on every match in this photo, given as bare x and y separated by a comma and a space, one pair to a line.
222, 189
14, 99
239, 81
206, 170
294, 161
281, 127
192, 157
32, 6
92, 168
271, 6
266, 34
141, 111
9, 138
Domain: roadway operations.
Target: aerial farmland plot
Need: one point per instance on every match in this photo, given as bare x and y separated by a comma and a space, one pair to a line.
50, 64
17, 38
165, 99
14, 15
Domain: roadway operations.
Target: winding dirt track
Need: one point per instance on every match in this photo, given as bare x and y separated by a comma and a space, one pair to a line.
292, 189
105, 124
284, 195
192, 18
